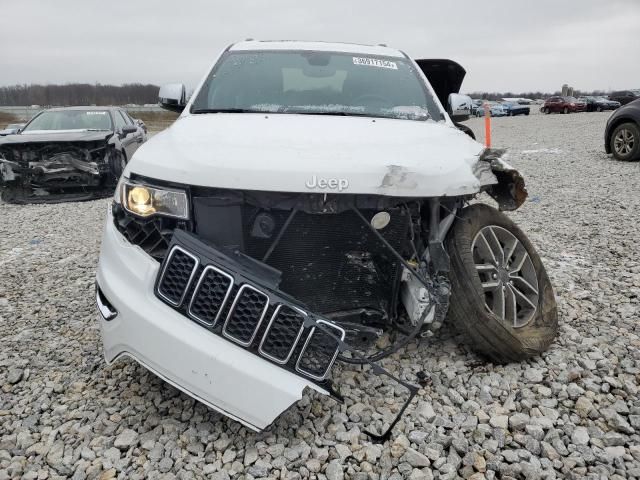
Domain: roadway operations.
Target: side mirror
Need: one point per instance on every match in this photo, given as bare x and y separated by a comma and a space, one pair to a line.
173, 97
127, 129
459, 107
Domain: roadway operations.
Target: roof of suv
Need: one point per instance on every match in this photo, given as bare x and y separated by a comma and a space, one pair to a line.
252, 45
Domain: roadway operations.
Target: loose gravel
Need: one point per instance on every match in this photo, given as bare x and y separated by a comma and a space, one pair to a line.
574, 412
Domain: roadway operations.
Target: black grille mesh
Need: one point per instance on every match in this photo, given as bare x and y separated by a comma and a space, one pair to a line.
210, 295
176, 275
245, 315
318, 354
279, 340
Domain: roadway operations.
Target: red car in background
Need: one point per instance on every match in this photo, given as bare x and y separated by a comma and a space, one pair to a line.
560, 104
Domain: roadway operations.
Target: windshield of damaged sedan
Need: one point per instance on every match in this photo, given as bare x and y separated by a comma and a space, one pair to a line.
70, 120
317, 83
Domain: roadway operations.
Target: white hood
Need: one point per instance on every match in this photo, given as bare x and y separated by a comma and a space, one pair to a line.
312, 153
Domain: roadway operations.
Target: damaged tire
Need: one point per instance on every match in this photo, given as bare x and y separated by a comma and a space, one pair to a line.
501, 296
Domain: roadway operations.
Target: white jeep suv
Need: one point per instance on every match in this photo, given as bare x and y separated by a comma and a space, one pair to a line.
311, 199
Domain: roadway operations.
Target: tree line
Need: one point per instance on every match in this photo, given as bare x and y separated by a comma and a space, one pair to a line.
136, 93
73, 94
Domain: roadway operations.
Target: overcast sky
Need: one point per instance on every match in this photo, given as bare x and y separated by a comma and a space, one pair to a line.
515, 45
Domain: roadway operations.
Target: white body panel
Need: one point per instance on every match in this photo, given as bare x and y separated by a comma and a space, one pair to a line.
207, 367
274, 152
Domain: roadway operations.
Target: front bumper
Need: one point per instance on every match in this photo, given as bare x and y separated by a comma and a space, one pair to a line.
205, 366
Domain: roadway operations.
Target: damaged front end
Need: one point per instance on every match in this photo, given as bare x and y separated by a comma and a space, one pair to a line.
500, 180
35, 172
301, 281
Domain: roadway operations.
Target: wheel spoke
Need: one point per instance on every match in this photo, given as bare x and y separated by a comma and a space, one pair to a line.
500, 301
511, 250
487, 247
526, 284
497, 248
512, 305
523, 297
485, 267
518, 263
492, 285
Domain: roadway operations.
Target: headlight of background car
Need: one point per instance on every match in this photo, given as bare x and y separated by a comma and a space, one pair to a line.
145, 201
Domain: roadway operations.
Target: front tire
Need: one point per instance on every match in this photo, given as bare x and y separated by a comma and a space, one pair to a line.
625, 142
118, 162
566, 110
501, 296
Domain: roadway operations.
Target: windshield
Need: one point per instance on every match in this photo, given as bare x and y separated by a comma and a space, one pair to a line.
71, 120
323, 83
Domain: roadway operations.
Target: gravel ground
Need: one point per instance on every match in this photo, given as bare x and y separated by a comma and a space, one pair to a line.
572, 413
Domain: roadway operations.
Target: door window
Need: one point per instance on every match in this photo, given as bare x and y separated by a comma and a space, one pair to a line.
120, 122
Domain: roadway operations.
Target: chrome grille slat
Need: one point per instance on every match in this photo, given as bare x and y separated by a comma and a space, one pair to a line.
232, 328
305, 359
196, 309
268, 343
167, 270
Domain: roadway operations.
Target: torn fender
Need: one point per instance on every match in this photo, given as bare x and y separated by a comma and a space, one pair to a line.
500, 180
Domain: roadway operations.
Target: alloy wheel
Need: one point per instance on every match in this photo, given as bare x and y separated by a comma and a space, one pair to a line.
624, 141
508, 277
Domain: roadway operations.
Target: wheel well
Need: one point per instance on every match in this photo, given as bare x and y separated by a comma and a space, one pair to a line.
613, 126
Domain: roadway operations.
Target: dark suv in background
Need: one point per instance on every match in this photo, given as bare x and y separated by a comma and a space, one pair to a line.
622, 133
624, 96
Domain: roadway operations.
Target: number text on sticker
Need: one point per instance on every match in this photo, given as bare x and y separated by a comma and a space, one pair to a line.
375, 62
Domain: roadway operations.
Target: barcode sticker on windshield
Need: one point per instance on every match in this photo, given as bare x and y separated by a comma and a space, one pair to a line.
375, 62
95, 113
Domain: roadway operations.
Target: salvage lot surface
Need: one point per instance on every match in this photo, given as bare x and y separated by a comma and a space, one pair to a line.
574, 412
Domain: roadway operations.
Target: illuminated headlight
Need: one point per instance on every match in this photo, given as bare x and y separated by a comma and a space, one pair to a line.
145, 201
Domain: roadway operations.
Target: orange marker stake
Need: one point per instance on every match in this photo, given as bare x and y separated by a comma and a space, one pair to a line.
487, 124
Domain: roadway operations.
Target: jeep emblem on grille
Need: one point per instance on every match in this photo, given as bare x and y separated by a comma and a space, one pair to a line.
339, 184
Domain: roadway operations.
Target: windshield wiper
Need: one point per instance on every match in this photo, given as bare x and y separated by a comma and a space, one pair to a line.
339, 113
225, 110
336, 113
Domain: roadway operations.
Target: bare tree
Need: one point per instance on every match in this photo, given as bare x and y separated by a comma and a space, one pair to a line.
78, 94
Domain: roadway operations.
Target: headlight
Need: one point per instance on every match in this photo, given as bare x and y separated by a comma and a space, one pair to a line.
145, 201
